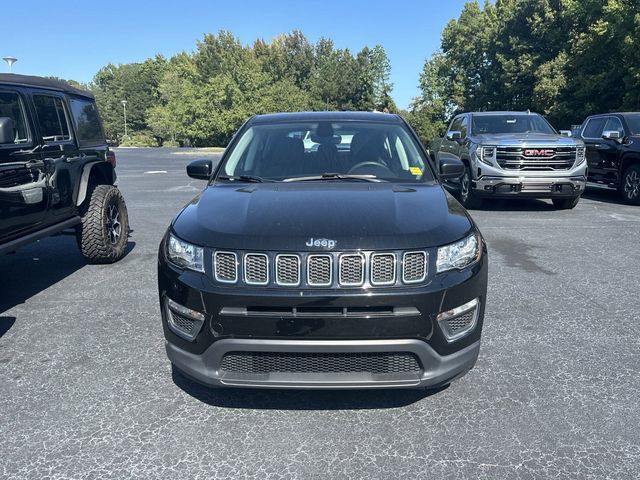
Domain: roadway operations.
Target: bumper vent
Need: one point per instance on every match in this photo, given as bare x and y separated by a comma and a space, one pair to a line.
377, 363
460, 321
182, 321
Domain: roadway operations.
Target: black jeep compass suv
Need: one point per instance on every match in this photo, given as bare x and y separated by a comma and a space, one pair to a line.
323, 253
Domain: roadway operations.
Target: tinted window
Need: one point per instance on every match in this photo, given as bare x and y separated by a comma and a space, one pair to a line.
456, 125
11, 107
517, 123
52, 118
614, 125
633, 122
85, 116
594, 128
289, 150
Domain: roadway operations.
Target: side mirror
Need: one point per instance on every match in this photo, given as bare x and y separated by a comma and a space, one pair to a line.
454, 135
200, 169
451, 169
611, 135
566, 133
7, 135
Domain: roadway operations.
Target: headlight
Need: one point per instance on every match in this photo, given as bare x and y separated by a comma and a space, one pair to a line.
485, 154
458, 255
580, 157
184, 254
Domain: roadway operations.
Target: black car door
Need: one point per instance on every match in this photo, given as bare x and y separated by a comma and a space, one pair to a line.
592, 137
59, 151
23, 175
609, 149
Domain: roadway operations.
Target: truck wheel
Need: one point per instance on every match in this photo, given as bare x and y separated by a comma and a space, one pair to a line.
468, 198
102, 236
565, 203
630, 188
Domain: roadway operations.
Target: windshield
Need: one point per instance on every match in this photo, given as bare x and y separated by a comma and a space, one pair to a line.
345, 151
633, 122
518, 123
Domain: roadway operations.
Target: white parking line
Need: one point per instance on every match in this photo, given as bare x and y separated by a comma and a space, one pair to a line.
152, 172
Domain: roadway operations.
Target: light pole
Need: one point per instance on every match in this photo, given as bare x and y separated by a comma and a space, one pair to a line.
10, 60
124, 106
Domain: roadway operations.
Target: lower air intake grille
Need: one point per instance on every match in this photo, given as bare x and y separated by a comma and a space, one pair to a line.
378, 363
185, 324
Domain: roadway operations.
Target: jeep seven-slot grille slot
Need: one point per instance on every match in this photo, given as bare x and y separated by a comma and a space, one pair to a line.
331, 270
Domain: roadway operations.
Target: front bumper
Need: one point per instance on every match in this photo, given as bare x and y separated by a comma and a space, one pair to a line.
379, 321
437, 369
523, 186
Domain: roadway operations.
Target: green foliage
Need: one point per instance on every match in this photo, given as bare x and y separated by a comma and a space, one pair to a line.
563, 58
202, 98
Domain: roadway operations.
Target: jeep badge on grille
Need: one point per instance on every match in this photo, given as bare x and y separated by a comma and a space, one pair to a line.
321, 242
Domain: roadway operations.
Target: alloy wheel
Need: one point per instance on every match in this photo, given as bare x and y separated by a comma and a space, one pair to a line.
632, 185
114, 228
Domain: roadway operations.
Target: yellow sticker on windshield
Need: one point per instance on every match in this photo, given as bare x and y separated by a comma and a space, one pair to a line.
415, 171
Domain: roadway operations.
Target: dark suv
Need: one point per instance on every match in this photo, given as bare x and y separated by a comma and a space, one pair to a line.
56, 171
312, 266
613, 152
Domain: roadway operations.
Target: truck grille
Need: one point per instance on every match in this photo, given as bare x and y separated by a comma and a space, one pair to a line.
536, 158
377, 363
334, 270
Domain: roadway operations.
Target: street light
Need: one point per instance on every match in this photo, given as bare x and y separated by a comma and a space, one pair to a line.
124, 106
10, 60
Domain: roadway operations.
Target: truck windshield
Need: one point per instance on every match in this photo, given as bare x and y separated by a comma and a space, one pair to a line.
633, 121
326, 150
517, 123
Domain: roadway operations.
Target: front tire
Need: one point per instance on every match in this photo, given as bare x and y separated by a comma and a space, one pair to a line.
103, 234
630, 187
468, 197
565, 203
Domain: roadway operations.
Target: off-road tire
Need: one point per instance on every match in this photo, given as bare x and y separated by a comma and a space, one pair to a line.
565, 203
97, 235
630, 186
467, 196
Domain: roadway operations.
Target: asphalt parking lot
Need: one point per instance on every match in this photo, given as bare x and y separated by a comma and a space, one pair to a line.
87, 391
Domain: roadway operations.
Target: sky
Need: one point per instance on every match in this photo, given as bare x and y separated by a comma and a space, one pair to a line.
73, 39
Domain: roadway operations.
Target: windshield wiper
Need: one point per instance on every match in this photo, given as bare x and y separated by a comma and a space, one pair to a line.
245, 178
335, 176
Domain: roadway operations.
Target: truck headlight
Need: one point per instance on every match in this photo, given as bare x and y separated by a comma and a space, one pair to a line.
459, 254
184, 254
486, 154
580, 156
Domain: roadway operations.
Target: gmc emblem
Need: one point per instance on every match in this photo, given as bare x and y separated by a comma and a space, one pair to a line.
532, 152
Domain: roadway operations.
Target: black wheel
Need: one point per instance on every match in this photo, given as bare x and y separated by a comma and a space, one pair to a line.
468, 198
565, 203
102, 235
630, 187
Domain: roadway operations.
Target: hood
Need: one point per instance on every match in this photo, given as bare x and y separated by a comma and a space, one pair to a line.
285, 216
522, 139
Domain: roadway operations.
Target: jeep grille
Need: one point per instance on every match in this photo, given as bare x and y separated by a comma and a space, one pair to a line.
331, 270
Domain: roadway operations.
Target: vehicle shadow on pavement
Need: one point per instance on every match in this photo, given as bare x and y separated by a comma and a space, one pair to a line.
274, 399
601, 194
5, 324
36, 267
516, 205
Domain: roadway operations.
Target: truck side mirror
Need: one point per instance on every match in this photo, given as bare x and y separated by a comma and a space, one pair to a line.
451, 169
566, 133
454, 135
200, 169
611, 135
7, 135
